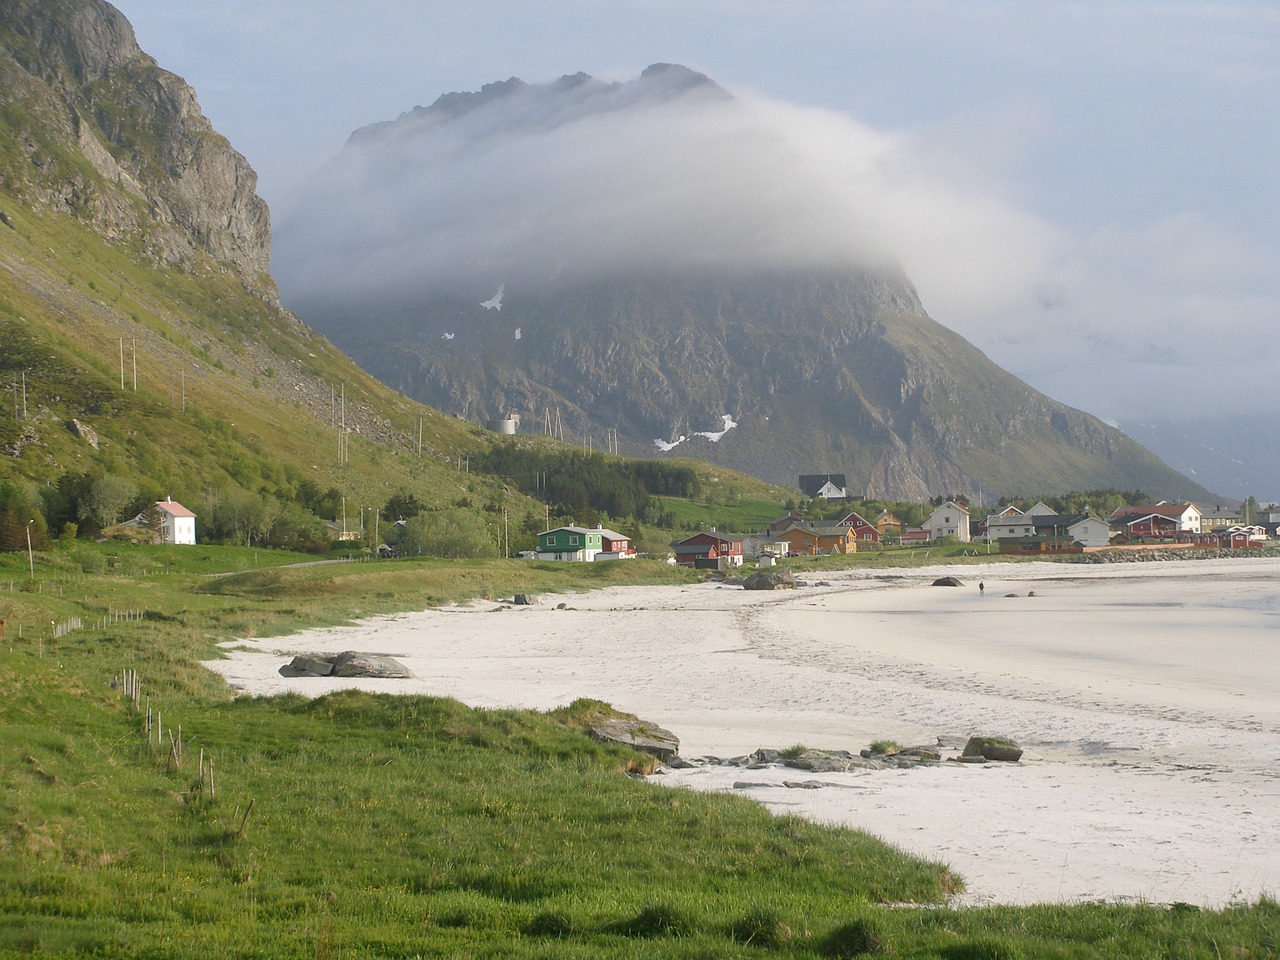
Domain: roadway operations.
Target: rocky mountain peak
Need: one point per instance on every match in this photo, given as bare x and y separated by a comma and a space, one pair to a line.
78, 88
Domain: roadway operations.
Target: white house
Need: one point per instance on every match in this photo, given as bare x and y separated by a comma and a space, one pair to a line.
1041, 521
1012, 524
177, 523
1089, 530
825, 486
757, 545
949, 520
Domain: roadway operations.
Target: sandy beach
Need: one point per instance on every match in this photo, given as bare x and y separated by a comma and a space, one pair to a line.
1146, 697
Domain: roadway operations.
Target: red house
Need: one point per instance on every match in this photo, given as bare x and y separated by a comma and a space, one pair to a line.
1150, 526
862, 530
710, 549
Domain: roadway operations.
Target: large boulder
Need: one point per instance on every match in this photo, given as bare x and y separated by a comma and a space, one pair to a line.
992, 748
639, 735
353, 664
349, 664
948, 582
770, 580
308, 665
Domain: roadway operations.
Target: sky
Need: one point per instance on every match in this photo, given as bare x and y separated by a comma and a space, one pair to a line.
1086, 191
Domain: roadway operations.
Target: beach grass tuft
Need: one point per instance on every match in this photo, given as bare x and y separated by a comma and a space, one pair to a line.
862, 937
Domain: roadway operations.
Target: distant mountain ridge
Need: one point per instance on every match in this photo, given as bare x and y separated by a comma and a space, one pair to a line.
829, 366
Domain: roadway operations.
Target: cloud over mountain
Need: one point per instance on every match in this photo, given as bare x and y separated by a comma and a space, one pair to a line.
521, 183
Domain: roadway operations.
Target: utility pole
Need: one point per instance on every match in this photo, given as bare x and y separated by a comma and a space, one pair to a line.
122, 363
135, 364
31, 558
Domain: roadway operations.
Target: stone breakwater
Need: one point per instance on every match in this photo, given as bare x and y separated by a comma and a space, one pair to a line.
1163, 554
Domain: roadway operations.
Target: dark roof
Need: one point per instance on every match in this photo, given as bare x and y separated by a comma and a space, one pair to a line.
714, 535
811, 483
1057, 519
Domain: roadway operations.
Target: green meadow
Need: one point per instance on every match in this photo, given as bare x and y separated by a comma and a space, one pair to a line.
359, 825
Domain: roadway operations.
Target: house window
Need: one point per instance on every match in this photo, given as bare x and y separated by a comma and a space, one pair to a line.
573, 541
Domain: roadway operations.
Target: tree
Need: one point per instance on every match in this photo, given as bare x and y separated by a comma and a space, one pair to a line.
1249, 511
19, 517
107, 499
402, 506
153, 523
447, 533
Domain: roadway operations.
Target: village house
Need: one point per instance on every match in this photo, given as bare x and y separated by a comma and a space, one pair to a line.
949, 520
1219, 518
824, 486
177, 524
811, 538
757, 545
888, 525
1149, 526
1185, 516
863, 531
1005, 522
1040, 521
785, 520
583, 545
710, 550
1238, 537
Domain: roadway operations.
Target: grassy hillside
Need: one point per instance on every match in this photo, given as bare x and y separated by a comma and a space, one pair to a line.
228, 387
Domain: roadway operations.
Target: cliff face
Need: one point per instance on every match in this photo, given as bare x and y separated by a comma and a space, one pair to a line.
93, 128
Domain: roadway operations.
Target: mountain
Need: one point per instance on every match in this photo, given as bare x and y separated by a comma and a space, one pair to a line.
1234, 455
140, 333
635, 263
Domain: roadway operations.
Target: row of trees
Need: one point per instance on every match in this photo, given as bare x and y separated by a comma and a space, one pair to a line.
577, 483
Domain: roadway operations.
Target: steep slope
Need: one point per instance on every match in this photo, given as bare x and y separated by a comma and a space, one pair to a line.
140, 335
640, 260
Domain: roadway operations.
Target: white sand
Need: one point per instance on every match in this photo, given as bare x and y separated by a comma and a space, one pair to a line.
1146, 696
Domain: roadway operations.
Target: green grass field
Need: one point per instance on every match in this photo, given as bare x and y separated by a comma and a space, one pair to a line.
359, 825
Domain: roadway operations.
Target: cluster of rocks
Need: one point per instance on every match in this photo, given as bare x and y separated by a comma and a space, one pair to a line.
979, 749
350, 663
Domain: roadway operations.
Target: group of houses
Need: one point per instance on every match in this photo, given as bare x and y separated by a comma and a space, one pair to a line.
1036, 530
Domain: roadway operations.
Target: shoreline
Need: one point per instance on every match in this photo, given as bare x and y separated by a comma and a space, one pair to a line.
1146, 697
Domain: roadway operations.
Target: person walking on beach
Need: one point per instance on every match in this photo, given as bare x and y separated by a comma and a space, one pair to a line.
982, 588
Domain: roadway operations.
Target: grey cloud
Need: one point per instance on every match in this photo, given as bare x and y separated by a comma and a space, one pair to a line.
519, 183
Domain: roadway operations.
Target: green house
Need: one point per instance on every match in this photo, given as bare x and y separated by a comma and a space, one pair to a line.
570, 543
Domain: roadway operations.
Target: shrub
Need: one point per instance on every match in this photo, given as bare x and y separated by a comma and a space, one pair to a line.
659, 920
550, 923
762, 927
885, 746
981, 948
855, 939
